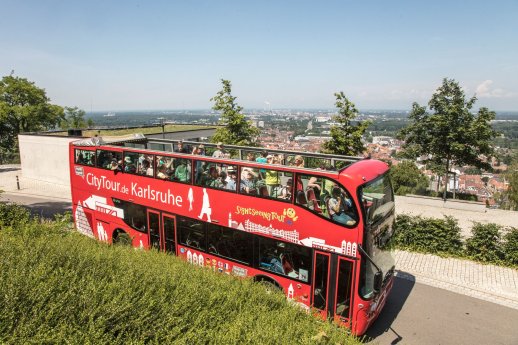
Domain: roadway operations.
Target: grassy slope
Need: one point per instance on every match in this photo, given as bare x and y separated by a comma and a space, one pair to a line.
58, 286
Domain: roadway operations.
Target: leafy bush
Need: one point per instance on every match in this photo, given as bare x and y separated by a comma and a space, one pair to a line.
510, 247
58, 286
484, 244
429, 235
13, 215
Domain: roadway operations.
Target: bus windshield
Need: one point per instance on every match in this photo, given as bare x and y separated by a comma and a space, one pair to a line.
378, 205
377, 199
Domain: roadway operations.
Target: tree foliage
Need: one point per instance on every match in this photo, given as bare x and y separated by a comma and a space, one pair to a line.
509, 197
451, 134
75, 118
237, 130
346, 137
408, 179
24, 107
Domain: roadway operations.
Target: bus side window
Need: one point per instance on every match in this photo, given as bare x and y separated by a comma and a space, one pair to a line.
284, 258
191, 233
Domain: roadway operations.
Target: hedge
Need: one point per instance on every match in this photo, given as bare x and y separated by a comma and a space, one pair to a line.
489, 243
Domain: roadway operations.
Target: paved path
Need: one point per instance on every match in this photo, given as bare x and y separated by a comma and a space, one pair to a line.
487, 282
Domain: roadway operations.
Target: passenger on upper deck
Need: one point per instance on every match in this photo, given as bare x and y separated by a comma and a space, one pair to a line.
285, 192
272, 179
211, 179
162, 172
114, 165
231, 178
220, 151
181, 148
181, 173
248, 184
129, 166
338, 207
298, 161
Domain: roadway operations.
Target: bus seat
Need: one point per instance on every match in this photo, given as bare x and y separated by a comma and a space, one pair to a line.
313, 202
301, 198
263, 191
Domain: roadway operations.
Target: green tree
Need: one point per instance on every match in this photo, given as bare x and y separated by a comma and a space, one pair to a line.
24, 107
408, 179
346, 137
509, 197
451, 134
237, 130
74, 118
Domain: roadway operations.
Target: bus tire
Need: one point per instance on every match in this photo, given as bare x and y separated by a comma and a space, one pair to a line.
269, 284
120, 237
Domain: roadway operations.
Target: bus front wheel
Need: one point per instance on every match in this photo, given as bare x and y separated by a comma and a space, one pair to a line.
120, 237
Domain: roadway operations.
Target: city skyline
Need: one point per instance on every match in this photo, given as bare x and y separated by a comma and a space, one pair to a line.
138, 56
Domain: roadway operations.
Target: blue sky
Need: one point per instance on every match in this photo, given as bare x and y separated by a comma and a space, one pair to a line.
129, 55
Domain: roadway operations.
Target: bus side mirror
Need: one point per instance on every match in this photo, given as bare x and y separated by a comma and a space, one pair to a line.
378, 281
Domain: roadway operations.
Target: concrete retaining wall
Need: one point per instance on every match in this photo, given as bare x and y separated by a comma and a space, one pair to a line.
45, 158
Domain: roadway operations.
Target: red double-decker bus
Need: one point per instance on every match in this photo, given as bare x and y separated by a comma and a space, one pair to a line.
316, 226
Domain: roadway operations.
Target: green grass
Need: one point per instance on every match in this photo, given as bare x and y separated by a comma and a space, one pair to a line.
146, 130
57, 286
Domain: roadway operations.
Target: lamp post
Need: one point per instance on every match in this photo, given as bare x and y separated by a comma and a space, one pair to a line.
162, 123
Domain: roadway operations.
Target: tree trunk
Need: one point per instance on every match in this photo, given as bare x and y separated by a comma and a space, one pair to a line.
446, 179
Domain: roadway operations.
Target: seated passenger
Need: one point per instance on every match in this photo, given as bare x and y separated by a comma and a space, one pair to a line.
129, 167
248, 185
114, 165
231, 179
337, 206
212, 178
145, 168
162, 172
284, 192
181, 172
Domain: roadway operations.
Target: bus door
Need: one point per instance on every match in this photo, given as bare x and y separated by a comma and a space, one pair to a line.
321, 283
343, 291
168, 230
153, 224
332, 285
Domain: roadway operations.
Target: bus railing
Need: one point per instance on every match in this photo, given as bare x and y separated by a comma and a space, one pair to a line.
310, 160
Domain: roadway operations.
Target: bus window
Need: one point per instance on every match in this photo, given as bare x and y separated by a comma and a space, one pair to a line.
191, 233
216, 175
323, 196
84, 157
229, 243
110, 160
285, 258
135, 215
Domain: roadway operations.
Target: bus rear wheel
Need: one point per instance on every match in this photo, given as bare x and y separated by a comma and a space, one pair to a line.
120, 237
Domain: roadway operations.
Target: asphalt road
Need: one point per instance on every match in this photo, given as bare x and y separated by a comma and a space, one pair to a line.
38, 205
414, 313
421, 314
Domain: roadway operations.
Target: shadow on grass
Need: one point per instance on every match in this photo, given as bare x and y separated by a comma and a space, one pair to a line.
395, 302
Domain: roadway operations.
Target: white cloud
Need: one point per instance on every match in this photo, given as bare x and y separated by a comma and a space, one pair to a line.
485, 90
